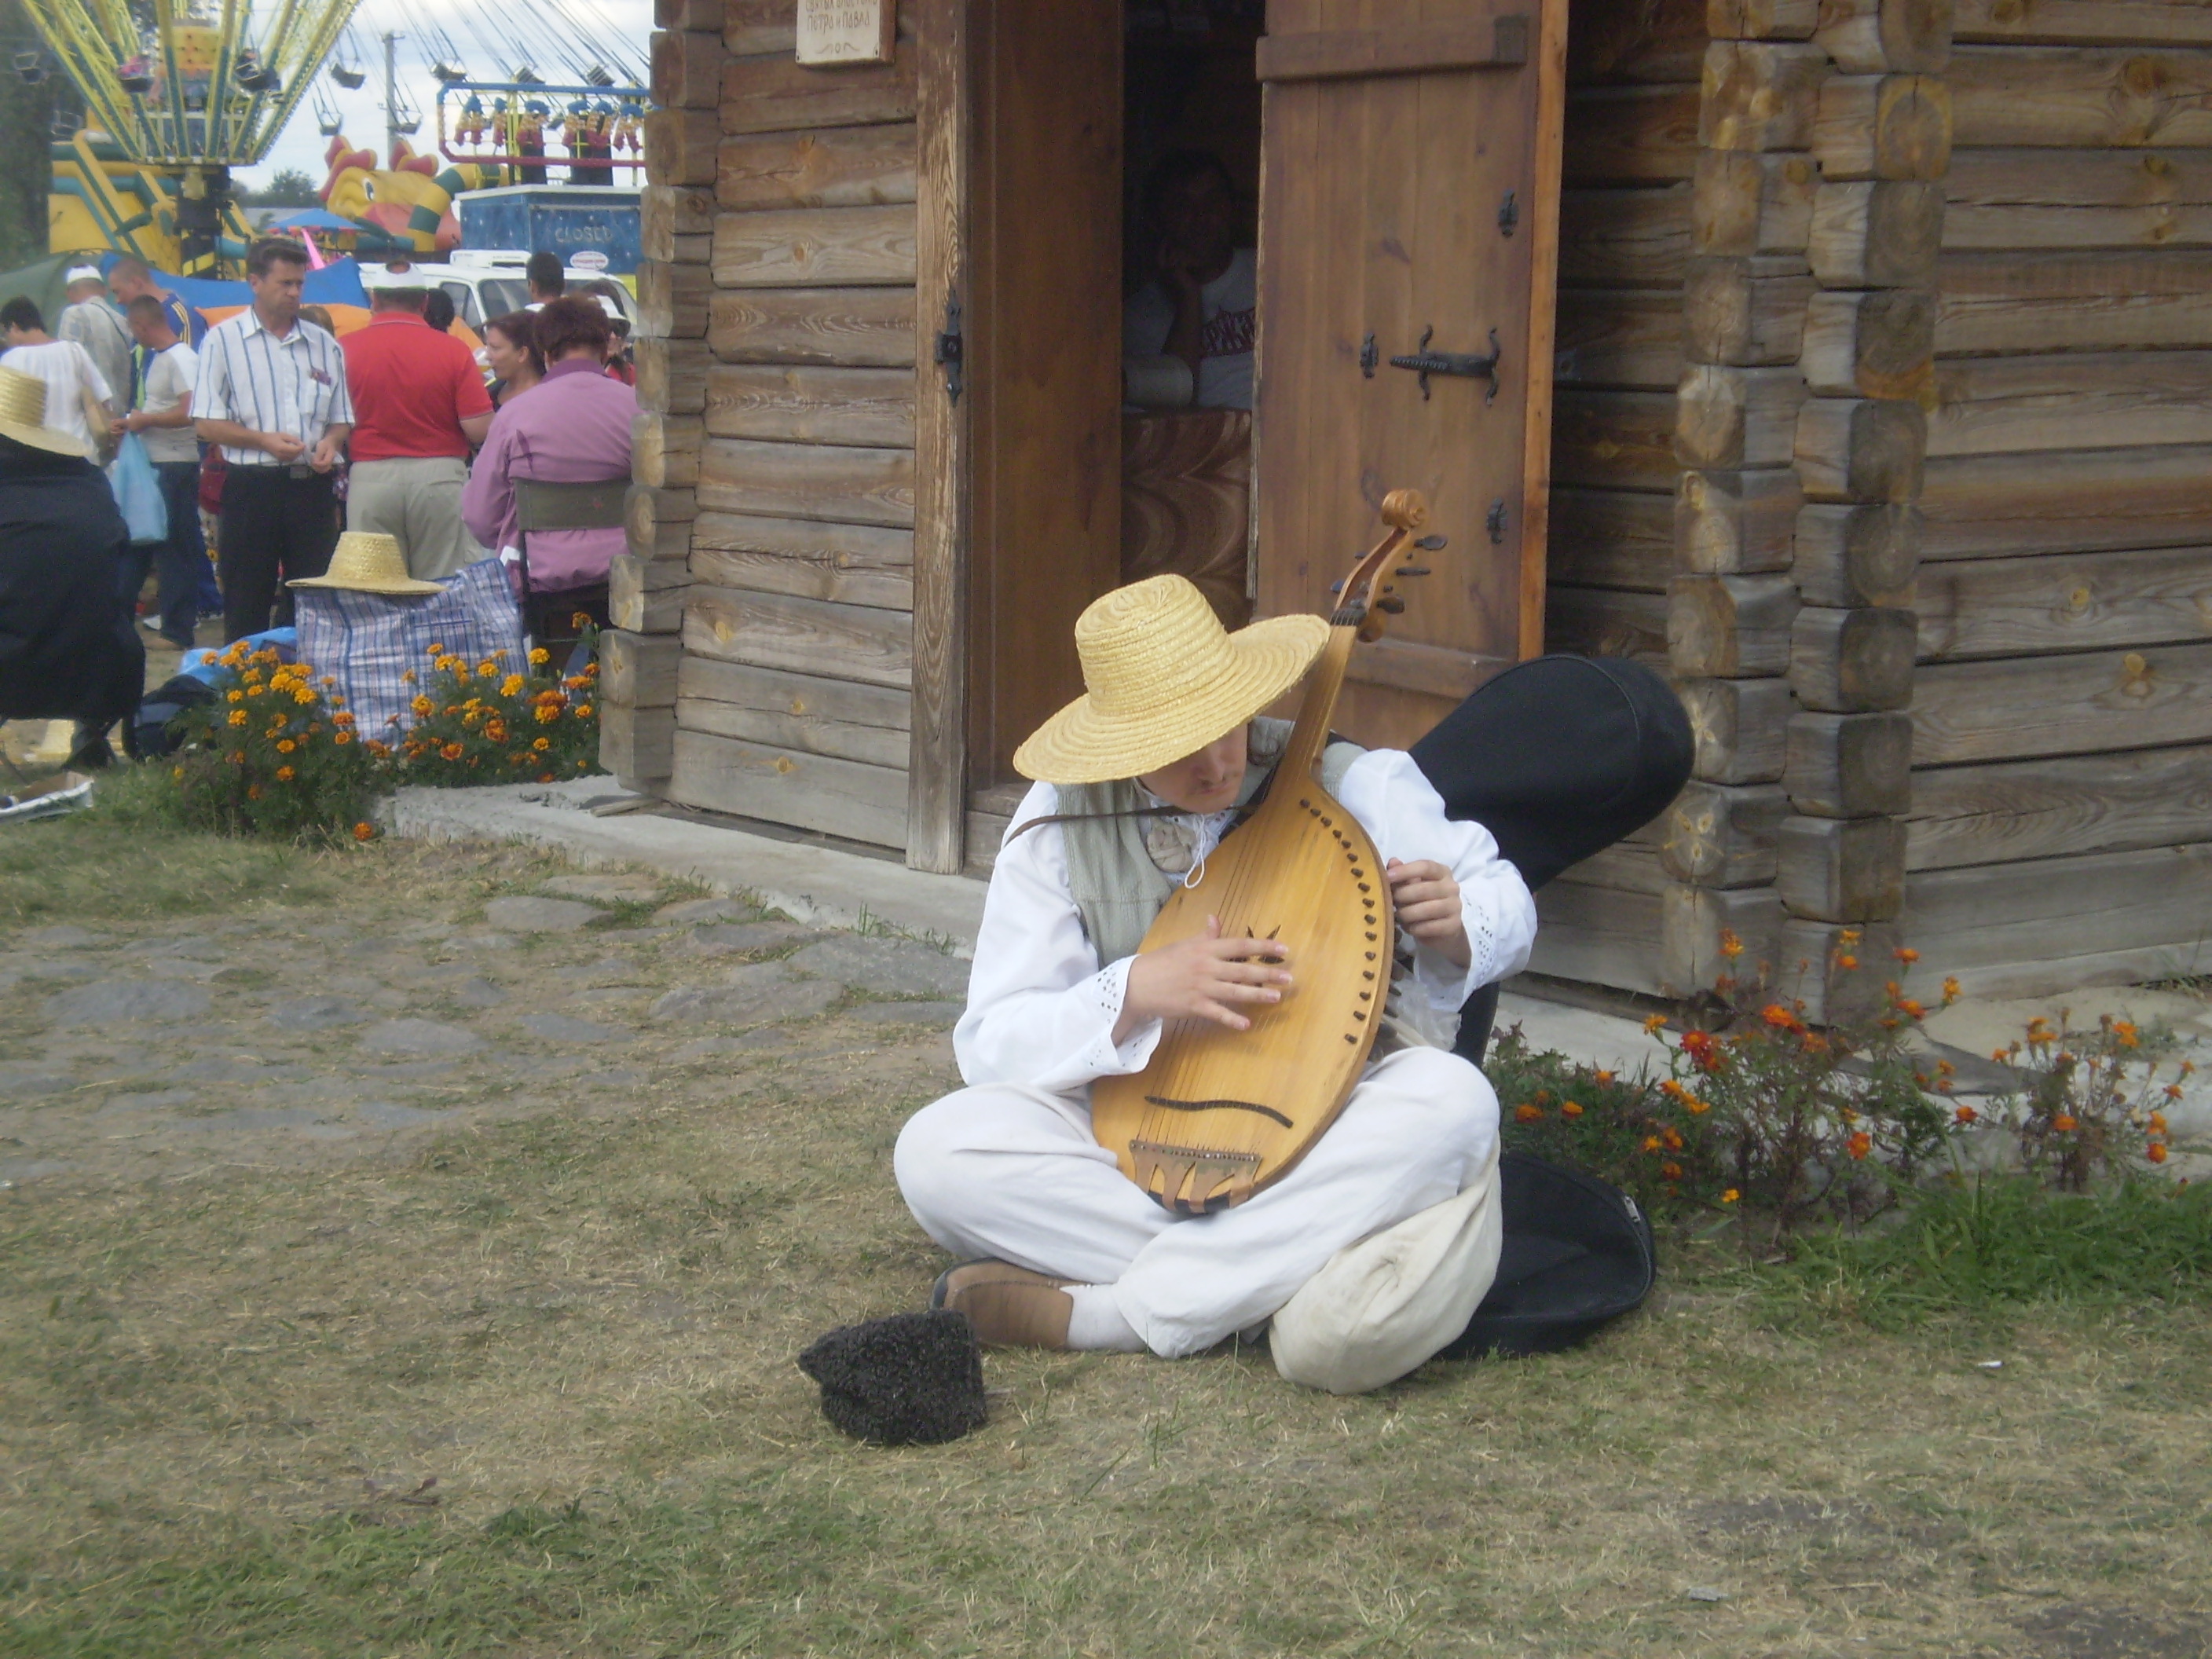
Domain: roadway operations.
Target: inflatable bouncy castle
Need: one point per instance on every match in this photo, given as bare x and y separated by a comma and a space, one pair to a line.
406, 208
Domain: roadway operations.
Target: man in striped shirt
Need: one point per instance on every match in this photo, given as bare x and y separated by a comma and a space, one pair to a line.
272, 394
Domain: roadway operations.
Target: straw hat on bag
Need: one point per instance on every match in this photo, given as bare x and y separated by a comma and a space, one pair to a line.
365, 562
1164, 679
23, 415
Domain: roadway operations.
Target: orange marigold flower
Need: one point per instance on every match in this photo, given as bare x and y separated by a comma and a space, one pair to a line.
379, 750
1697, 1108
1652, 1023
2158, 1123
1951, 991
1731, 946
583, 711
1569, 1108
452, 751
2125, 1029
545, 714
1965, 1115
579, 619
1672, 1138
1729, 1195
341, 737
1859, 1144
1673, 1090
284, 775
1603, 1080
1525, 1113
1848, 936
1670, 1172
2063, 1123
342, 719
1906, 954
541, 744
2155, 1152
511, 685
1816, 1043
1848, 963
253, 792
285, 745
1910, 1009
544, 777
1651, 1143
1778, 1016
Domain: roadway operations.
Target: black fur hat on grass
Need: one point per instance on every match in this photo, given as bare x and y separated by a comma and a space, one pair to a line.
914, 1379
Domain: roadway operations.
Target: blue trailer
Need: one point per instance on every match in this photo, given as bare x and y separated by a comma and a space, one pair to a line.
584, 224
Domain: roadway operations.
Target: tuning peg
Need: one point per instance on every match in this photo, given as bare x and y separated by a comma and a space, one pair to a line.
1431, 543
1390, 605
1336, 587
1410, 570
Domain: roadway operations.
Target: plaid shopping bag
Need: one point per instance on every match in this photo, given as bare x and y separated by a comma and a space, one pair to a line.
369, 641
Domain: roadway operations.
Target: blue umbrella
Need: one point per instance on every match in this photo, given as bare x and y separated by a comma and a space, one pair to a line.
312, 219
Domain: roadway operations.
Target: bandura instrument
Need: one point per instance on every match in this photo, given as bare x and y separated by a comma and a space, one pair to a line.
1220, 1114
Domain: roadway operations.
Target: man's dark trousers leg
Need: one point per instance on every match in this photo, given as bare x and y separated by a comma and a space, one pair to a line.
178, 560
274, 528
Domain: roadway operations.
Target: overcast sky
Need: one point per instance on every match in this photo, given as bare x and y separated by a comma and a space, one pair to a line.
301, 145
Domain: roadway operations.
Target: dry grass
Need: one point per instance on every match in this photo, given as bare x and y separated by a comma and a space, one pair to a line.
226, 1395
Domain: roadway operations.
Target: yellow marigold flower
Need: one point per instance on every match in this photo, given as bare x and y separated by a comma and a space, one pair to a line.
1697, 1108
422, 706
540, 656
579, 619
1731, 1195
408, 678
542, 744
238, 717
487, 670
511, 685
547, 713
1848, 936
284, 775
285, 745
236, 697
1651, 1143
254, 690
583, 711
435, 650
1652, 1025
177, 773
1731, 946
304, 695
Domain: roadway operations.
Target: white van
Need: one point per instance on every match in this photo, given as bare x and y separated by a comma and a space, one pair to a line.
487, 282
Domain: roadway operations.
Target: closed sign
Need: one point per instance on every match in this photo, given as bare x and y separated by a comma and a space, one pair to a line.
846, 31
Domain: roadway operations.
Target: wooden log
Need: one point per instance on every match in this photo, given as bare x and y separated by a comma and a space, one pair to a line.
1624, 238
1848, 766
1619, 338
1624, 867
1714, 835
871, 743
675, 223
645, 596
2076, 97
688, 15
1631, 135
672, 375
1598, 623
679, 146
1658, 43
1611, 538
686, 69
856, 564
815, 247
780, 785
2057, 804
860, 327
774, 93
1597, 936
2061, 200
1879, 344
1762, 20
807, 636
1882, 126
1695, 922
1996, 302
1736, 524
1877, 233
797, 697
671, 301
658, 523
638, 671
1614, 439
664, 450
1849, 555
638, 746
1748, 311
1729, 628
1758, 95
804, 405
751, 27
1739, 728
840, 482
838, 167
1991, 506
2073, 401
1860, 449
2083, 22
1731, 418
2065, 602
1853, 662
1833, 971
1842, 869
1871, 37
1745, 204
2051, 925
2012, 708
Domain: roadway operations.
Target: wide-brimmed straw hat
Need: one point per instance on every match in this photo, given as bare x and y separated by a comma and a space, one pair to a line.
365, 562
23, 415
1164, 679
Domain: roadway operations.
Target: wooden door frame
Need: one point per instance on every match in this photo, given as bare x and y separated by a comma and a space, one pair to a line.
937, 758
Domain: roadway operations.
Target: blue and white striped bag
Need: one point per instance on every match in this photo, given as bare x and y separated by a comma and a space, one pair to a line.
370, 641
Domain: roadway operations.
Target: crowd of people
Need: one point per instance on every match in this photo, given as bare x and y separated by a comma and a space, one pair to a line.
284, 436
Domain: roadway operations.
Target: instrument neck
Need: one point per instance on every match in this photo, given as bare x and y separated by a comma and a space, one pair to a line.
1308, 738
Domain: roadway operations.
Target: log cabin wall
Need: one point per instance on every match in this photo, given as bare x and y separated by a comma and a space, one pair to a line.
2060, 823
775, 453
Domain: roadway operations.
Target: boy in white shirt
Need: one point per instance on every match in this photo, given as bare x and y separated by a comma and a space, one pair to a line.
163, 422
77, 394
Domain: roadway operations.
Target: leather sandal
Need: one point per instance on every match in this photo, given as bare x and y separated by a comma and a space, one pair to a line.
1009, 1307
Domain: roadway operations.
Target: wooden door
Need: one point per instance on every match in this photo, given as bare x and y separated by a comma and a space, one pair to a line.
1393, 133
1043, 353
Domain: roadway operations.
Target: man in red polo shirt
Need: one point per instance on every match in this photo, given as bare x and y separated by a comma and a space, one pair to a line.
420, 407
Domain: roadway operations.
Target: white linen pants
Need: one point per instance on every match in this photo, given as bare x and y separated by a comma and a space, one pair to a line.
1015, 1174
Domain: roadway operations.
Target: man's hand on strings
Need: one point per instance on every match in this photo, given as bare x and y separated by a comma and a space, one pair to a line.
1426, 899
1201, 977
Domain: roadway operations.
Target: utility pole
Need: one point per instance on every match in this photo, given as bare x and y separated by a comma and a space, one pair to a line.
391, 97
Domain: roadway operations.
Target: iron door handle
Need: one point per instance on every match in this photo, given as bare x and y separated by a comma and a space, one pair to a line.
1425, 363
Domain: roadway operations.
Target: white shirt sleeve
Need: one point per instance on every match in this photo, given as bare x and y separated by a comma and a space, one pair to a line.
211, 384
88, 373
1041, 1010
1401, 810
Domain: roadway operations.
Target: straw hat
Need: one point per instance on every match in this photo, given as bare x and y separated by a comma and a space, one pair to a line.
364, 562
24, 415
1165, 679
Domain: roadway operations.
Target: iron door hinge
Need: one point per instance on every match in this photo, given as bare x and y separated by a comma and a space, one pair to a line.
950, 352
1509, 215
1494, 522
1426, 362
1369, 356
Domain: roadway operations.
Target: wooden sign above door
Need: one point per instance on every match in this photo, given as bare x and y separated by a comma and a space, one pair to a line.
833, 32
